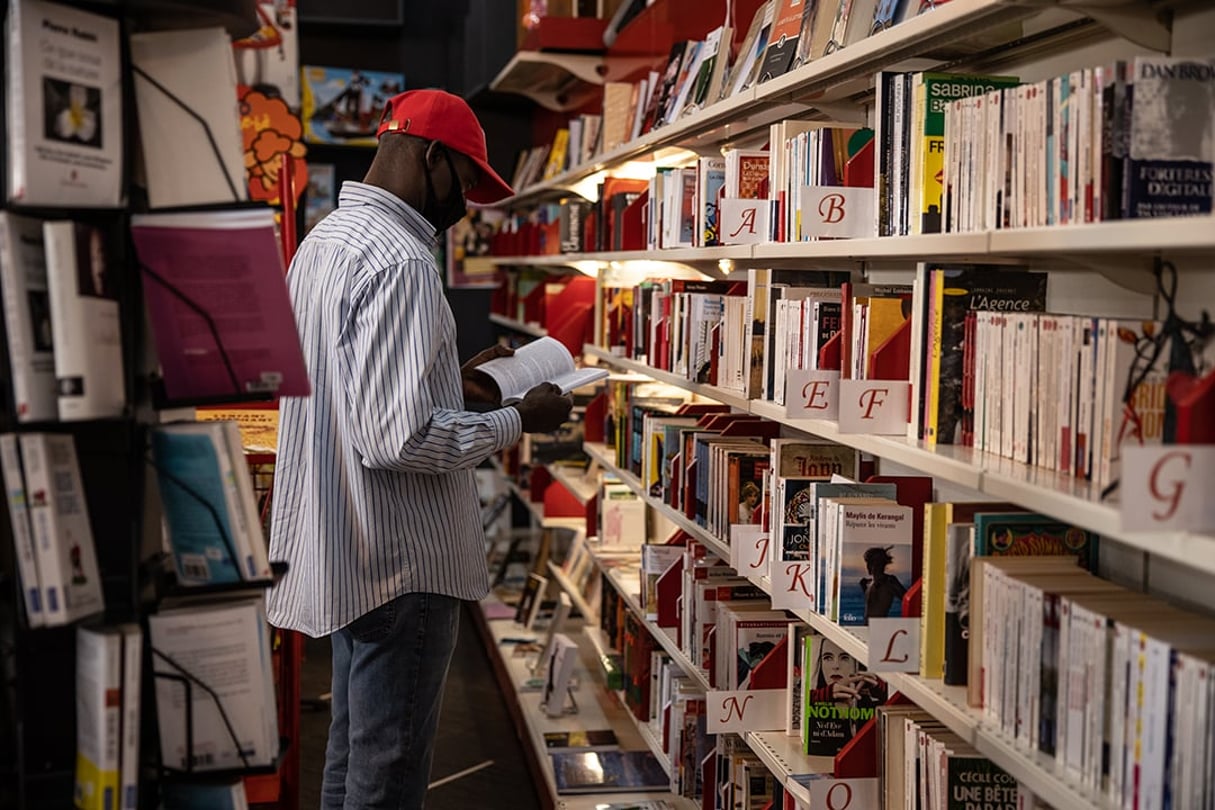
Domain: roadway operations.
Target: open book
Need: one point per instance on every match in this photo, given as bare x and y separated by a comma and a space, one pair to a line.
543, 360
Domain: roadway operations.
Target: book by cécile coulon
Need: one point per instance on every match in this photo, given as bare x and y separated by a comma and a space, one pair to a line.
543, 360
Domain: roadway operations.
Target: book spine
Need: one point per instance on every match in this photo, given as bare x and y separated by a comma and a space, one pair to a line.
23, 541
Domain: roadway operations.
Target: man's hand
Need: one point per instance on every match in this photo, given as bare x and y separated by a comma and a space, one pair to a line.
544, 409
479, 386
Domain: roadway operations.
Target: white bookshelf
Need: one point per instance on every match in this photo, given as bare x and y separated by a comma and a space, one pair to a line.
999, 478
604, 456
830, 78
517, 326
555, 81
783, 756
946, 703
597, 708
1116, 242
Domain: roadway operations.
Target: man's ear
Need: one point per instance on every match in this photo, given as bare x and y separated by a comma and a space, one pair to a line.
430, 155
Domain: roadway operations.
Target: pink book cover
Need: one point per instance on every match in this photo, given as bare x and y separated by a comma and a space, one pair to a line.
226, 266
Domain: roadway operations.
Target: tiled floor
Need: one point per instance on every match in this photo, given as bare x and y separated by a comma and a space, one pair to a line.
474, 728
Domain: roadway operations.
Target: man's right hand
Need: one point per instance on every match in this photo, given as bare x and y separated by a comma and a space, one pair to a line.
544, 409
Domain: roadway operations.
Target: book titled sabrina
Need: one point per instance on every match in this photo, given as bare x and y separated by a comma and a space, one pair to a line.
607, 772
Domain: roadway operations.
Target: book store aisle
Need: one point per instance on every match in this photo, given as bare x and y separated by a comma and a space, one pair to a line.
478, 762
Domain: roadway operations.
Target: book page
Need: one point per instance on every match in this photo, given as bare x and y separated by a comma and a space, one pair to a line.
545, 359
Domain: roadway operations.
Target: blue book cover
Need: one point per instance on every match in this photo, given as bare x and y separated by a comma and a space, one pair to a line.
195, 509
875, 561
202, 796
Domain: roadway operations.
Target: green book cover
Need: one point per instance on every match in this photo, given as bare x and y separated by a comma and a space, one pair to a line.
929, 118
1025, 534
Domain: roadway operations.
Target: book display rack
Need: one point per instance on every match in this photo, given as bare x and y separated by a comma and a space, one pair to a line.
135, 529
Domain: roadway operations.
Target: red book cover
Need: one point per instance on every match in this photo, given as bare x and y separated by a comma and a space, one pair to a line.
1194, 403
772, 672
596, 412
670, 592
560, 502
892, 359
859, 757
830, 353
858, 171
632, 223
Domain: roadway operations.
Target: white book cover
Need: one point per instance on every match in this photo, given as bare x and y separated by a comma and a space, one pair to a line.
85, 322
65, 115
27, 318
181, 166
23, 540
63, 539
98, 717
224, 646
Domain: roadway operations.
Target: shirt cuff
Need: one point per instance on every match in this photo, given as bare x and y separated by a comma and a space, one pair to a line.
507, 426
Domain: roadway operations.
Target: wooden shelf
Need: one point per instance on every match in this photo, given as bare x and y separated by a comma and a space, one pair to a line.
555, 81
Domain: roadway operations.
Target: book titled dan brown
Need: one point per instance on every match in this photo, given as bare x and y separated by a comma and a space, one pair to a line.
217, 299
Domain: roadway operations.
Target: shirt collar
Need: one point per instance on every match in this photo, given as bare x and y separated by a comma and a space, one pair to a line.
354, 194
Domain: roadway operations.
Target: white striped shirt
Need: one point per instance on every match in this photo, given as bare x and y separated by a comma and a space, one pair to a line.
374, 490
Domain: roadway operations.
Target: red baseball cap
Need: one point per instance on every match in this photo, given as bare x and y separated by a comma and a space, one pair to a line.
436, 115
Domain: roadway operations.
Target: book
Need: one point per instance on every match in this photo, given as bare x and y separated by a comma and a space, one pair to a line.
98, 717
559, 679
63, 538
543, 360
27, 318
607, 772
225, 646
782, 40
582, 739
205, 796
840, 696
213, 528
84, 322
180, 75
228, 331
1168, 169
955, 291
64, 106
23, 540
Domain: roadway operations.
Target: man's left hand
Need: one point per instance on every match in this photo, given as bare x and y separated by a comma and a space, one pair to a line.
478, 386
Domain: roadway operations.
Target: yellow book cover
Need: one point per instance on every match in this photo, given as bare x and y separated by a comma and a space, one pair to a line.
556, 155
932, 591
933, 92
98, 717
936, 296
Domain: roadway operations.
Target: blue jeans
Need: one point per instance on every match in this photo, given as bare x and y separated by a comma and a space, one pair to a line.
389, 668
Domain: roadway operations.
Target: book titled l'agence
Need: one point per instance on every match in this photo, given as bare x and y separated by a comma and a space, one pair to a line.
217, 298
607, 772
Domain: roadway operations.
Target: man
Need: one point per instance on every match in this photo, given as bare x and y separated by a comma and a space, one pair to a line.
375, 500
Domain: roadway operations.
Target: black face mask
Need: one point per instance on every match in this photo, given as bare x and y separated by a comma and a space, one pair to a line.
444, 214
